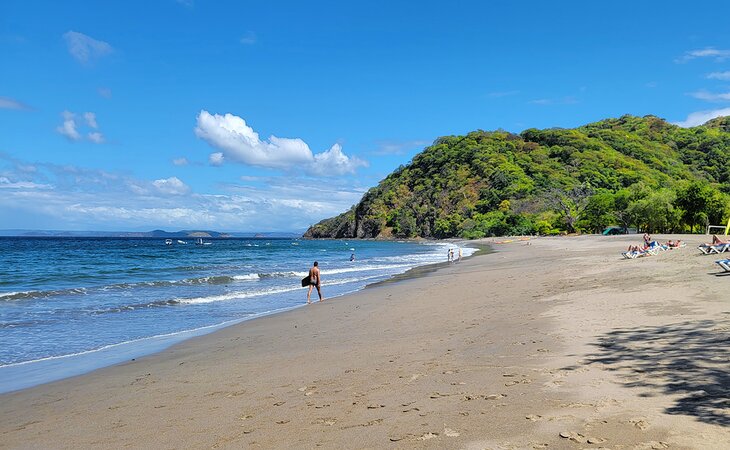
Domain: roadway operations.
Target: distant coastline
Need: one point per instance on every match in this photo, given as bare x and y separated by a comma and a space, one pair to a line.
147, 234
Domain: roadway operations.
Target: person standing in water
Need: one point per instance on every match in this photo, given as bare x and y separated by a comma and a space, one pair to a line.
314, 281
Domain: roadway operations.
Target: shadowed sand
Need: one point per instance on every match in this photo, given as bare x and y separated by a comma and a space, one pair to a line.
555, 343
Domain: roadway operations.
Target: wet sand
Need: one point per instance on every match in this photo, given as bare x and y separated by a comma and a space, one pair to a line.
549, 343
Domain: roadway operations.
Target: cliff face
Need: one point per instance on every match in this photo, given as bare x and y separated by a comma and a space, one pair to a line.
547, 181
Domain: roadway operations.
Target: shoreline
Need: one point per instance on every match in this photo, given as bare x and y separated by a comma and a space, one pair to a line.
556, 343
51, 369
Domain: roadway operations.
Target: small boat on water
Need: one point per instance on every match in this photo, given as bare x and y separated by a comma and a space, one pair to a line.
181, 242
201, 242
168, 241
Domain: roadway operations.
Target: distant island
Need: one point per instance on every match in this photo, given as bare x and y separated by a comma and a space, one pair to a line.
631, 172
149, 234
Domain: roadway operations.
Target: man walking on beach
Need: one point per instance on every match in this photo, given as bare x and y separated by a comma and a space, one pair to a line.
314, 280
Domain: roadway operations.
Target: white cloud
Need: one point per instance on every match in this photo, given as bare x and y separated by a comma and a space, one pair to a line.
171, 186
711, 96
719, 75
68, 128
70, 125
10, 103
90, 118
216, 159
180, 161
249, 38
708, 52
70, 197
95, 137
240, 143
334, 161
700, 117
6, 183
85, 48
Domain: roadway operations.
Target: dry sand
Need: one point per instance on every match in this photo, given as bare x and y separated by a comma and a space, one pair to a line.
555, 343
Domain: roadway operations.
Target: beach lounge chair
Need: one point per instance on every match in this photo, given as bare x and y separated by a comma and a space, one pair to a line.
725, 264
637, 254
709, 249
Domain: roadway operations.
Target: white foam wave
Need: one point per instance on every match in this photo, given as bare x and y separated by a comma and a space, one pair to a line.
257, 293
250, 276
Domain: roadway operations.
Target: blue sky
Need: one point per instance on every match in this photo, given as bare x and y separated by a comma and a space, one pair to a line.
269, 116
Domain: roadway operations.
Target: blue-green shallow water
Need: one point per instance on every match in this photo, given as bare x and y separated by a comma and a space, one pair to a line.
70, 305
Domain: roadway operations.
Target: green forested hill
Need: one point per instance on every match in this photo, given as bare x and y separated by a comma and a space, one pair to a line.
638, 172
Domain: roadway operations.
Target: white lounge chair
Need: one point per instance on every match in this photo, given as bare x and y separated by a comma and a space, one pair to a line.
725, 264
709, 249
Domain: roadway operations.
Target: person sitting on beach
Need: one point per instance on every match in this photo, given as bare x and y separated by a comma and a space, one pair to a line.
716, 240
673, 244
314, 281
647, 239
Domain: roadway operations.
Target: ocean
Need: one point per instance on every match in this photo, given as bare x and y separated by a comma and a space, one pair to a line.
71, 305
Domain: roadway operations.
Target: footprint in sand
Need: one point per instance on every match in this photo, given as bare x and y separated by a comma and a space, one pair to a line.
652, 445
329, 421
427, 436
640, 423
573, 436
448, 432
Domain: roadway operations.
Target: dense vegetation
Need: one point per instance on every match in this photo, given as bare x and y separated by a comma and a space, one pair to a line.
633, 172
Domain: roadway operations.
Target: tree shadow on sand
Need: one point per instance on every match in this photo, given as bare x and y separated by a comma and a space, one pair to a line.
691, 359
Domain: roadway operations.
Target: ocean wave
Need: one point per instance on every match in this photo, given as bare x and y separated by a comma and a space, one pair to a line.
25, 295
270, 291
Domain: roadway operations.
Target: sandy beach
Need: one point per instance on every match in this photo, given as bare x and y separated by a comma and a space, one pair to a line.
548, 343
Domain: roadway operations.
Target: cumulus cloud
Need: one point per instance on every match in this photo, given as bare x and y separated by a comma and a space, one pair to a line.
95, 137
180, 161
85, 48
333, 160
716, 54
238, 142
216, 159
719, 76
68, 127
171, 186
90, 118
10, 103
700, 117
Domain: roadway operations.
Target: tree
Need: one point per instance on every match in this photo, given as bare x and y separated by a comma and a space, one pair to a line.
598, 213
571, 203
656, 212
692, 199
